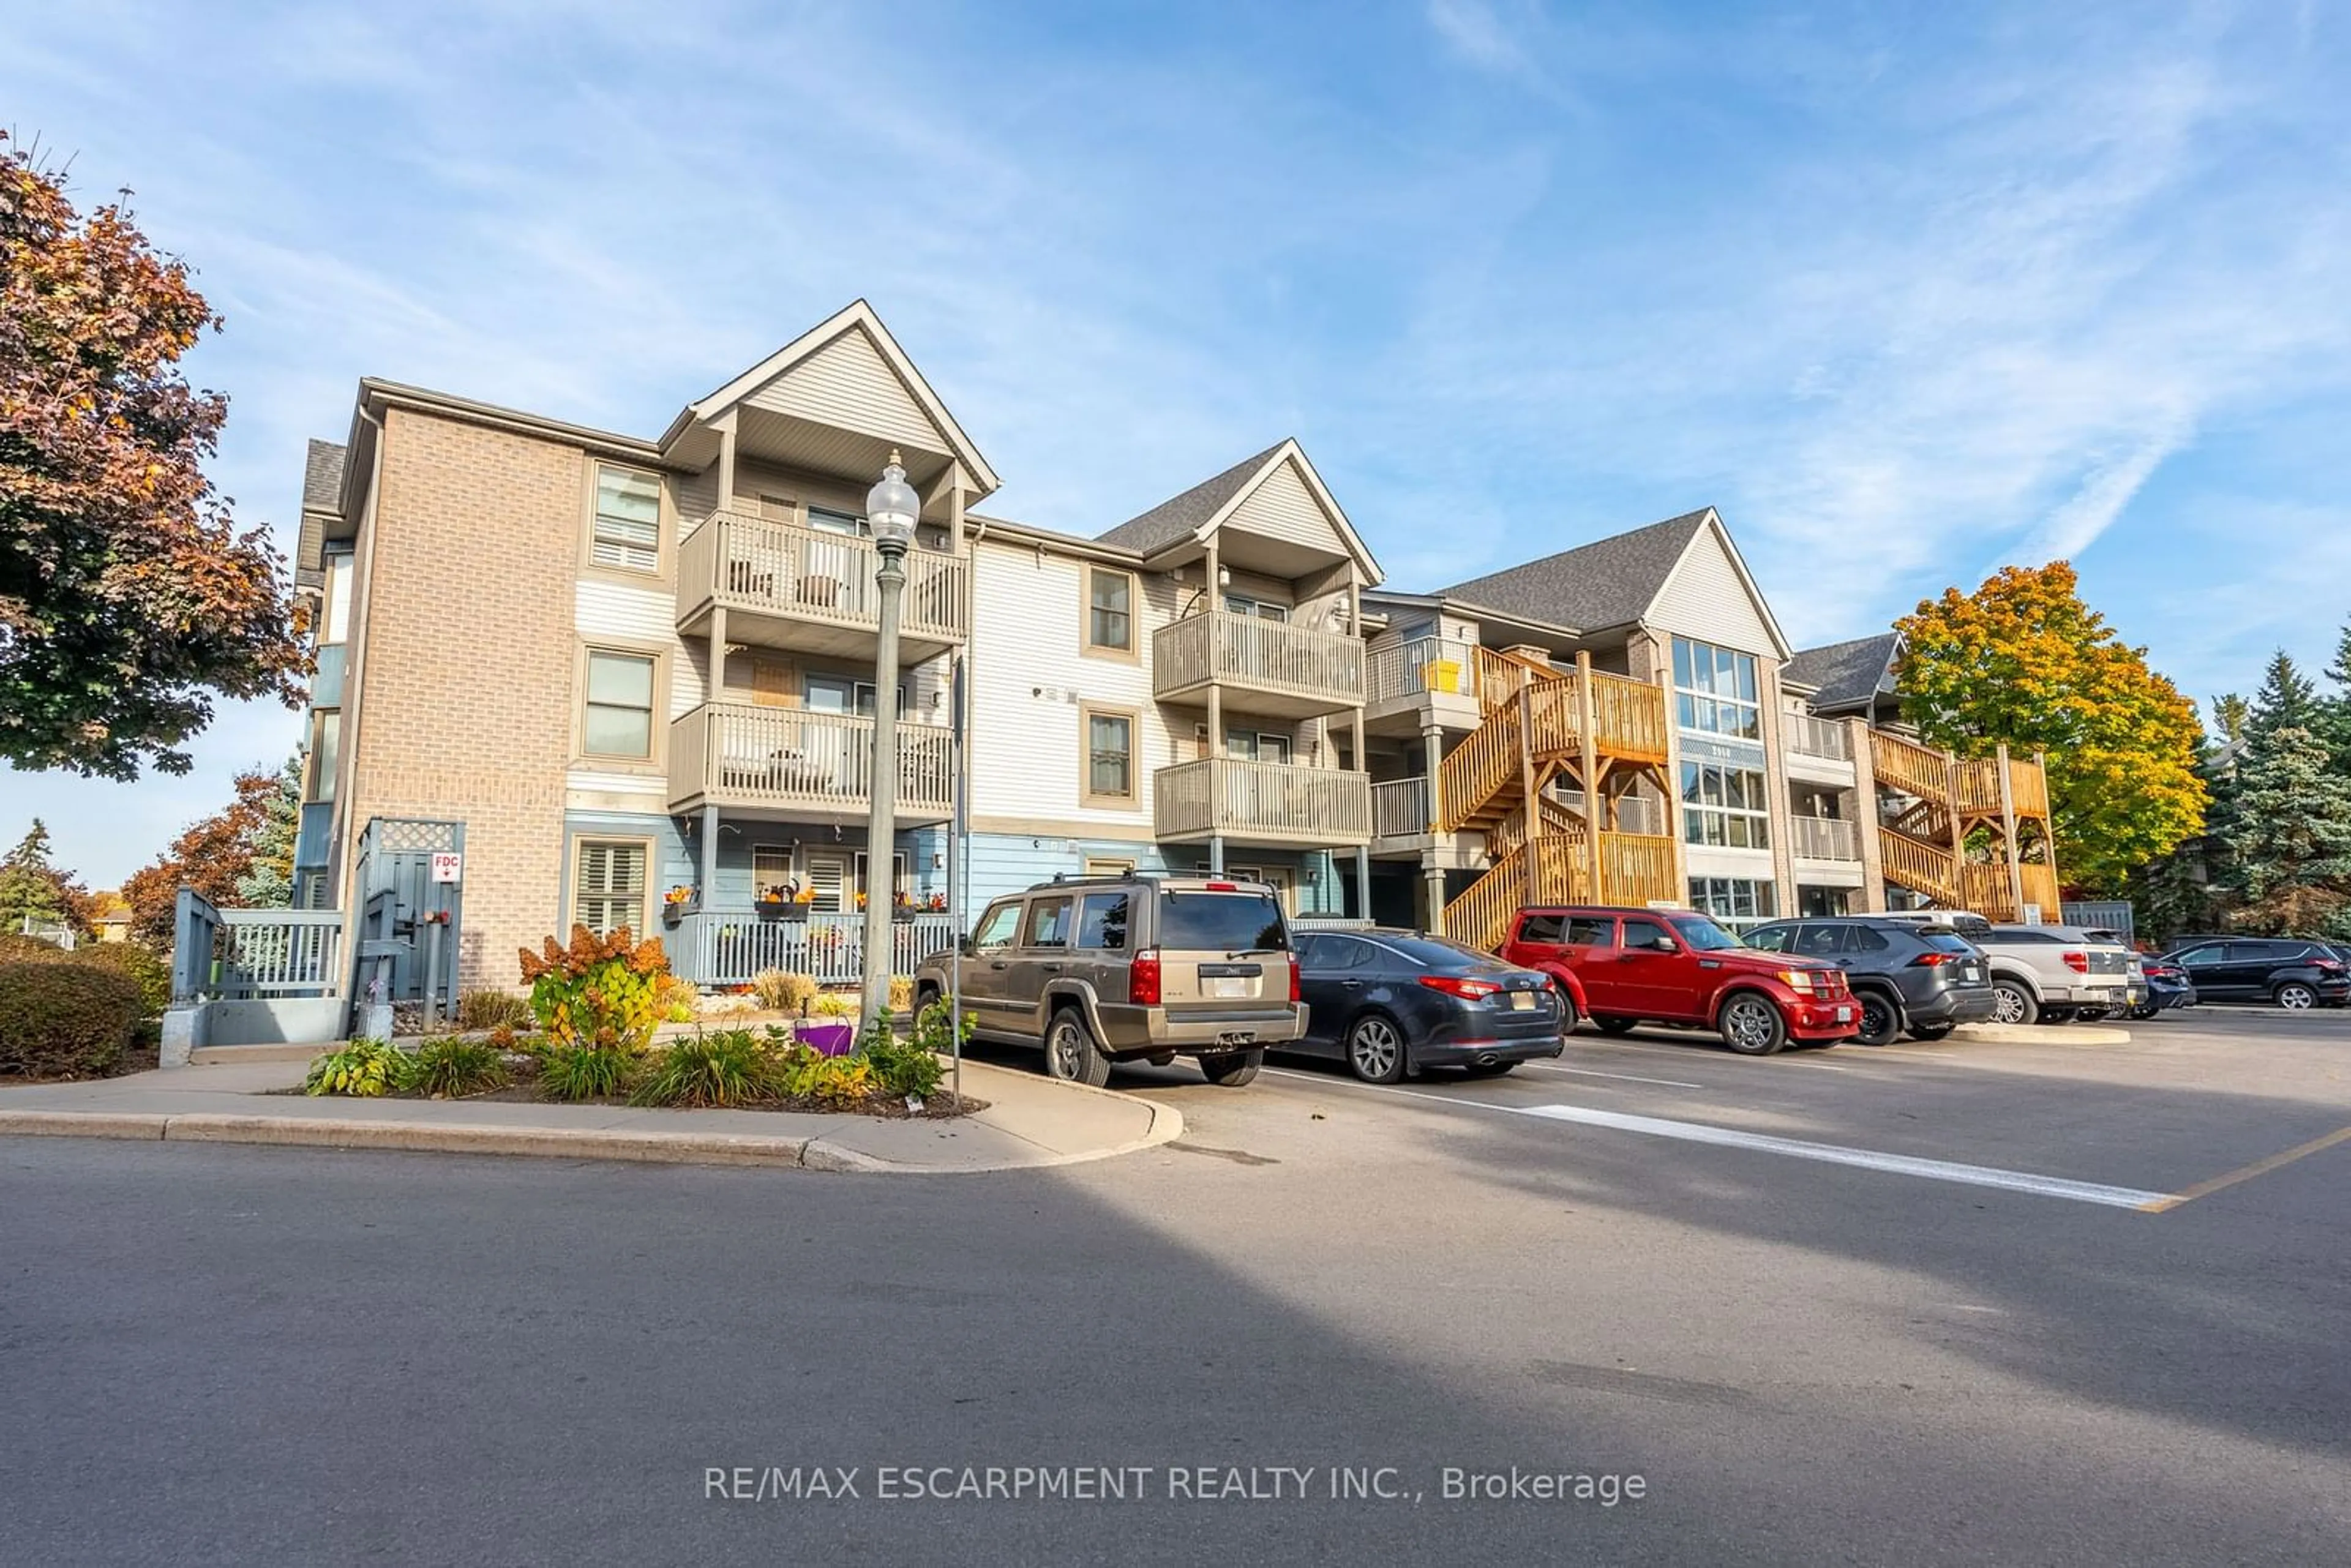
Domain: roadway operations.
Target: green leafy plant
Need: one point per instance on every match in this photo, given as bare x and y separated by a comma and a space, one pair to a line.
367, 1068
487, 1008
908, 1066
584, 1072
455, 1068
724, 1067
803, 1073
601, 991
779, 992
63, 1020
833, 1005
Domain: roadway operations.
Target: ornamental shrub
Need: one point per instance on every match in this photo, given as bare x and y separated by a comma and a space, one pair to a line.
604, 993
724, 1066
64, 1021
487, 1008
368, 1068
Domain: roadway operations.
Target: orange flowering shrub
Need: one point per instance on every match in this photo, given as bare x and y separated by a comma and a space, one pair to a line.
600, 993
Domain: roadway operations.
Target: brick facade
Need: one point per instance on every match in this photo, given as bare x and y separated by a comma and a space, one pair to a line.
467, 710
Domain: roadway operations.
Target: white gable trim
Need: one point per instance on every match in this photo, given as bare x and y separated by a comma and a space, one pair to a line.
858, 317
1292, 454
1714, 527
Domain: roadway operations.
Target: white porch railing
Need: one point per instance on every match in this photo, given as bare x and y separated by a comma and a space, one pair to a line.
717, 947
1810, 736
1824, 838
746, 754
1277, 802
1266, 655
1400, 809
1446, 664
807, 574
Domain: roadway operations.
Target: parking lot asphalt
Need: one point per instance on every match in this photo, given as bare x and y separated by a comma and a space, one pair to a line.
264, 1355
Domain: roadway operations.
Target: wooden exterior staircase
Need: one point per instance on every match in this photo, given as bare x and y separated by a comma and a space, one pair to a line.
1942, 805
1601, 732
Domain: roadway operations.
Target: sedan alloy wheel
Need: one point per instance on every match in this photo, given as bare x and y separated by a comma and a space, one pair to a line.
1375, 1049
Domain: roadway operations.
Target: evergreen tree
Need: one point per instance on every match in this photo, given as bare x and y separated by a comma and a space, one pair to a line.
2334, 708
34, 893
270, 885
2287, 700
2292, 836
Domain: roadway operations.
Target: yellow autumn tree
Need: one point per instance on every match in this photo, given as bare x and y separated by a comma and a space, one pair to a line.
2023, 661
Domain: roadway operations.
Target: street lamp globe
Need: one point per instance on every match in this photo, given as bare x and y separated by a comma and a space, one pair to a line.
892, 506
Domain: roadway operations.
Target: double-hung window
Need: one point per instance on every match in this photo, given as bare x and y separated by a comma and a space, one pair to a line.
1263, 609
1110, 610
607, 886
1725, 807
1110, 757
1730, 897
618, 718
628, 520
1715, 690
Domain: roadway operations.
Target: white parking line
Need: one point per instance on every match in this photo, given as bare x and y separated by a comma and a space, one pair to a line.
1621, 1077
1836, 1155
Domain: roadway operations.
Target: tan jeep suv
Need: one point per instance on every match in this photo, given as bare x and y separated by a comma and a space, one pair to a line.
1131, 969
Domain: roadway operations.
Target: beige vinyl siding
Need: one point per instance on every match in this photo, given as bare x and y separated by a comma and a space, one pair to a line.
1704, 599
848, 384
1283, 508
1025, 747
697, 496
605, 610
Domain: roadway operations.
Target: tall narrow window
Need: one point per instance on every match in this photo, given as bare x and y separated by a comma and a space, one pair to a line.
337, 622
608, 888
619, 721
628, 520
326, 736
1110, 757
1110, 600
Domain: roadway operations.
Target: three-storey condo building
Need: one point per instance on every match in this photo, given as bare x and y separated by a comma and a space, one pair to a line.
636, 677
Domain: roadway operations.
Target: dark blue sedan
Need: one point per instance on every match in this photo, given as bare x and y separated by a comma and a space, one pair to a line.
1391, 1003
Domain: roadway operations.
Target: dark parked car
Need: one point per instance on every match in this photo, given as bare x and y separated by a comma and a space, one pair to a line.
1391, 1002
1905, 975
2288, 971
2167, 988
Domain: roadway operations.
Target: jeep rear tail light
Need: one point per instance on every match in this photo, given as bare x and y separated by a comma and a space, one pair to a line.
1460, 986
1297, 987
2078, 962
1143, 978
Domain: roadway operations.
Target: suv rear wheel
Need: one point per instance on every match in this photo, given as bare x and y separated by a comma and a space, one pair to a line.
1614, 1025
1231, 1069
2296, 997
1881, 1021
1750, 1024
1071, 1053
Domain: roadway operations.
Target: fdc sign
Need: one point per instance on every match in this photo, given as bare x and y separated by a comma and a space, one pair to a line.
448, 866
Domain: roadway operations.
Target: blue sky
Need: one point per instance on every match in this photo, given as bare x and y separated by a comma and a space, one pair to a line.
1907, 292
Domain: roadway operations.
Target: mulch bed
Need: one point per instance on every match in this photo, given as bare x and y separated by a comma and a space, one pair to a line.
137, 1059
940, 1107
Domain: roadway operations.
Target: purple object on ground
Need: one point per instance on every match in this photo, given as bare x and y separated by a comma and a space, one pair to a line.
828, 1039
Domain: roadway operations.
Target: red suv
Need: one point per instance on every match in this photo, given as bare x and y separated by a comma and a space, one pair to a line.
1623, 967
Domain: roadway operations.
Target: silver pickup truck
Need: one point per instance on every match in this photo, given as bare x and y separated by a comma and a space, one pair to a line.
2047, 973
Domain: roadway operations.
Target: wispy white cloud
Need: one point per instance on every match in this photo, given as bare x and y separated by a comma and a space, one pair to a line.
1474, 34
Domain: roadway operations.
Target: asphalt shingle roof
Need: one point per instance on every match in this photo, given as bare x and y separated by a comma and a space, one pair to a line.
322, 477
1180, 516
1843, 674
1608, 582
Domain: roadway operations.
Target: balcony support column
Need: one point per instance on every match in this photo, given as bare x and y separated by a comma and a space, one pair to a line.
1594, 808
1216, 852
2008, 834
717, 689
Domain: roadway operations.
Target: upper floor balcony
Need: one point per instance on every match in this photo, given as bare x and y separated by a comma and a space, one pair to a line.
1816, 749
1423, 681
1278, 804
1271, 667
787, 585
800, 762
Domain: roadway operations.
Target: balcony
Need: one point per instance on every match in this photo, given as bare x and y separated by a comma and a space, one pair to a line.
1275, 803
1817, 749
796, 762
786, 586
1823, 839
1428, 679
1269, 667
1400, 809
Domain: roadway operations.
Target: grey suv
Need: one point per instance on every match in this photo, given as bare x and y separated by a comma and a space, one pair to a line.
1131, 969
1924, 979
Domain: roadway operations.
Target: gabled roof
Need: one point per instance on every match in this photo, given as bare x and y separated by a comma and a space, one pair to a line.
1199, 511
1608, 582
1183, 516
859, 316
322, 477
1846, 676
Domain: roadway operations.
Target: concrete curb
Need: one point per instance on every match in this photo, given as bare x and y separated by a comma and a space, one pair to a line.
816, 1153
2042, 1033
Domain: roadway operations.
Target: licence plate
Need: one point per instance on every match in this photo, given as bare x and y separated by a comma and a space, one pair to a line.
1523, 1001
1970, 972
1845, 1015
1229, 986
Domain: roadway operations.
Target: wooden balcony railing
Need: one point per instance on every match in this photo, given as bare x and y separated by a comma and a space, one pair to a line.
807, 574
1824, 838
1275, 802
1906, 766
1246, 651
1638, 868
1400, 809
739, 754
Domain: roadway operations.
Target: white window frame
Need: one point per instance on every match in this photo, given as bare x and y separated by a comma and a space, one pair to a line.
622, 551
581, 896
1700, 698
1721, 897
1716, 825
589, 654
